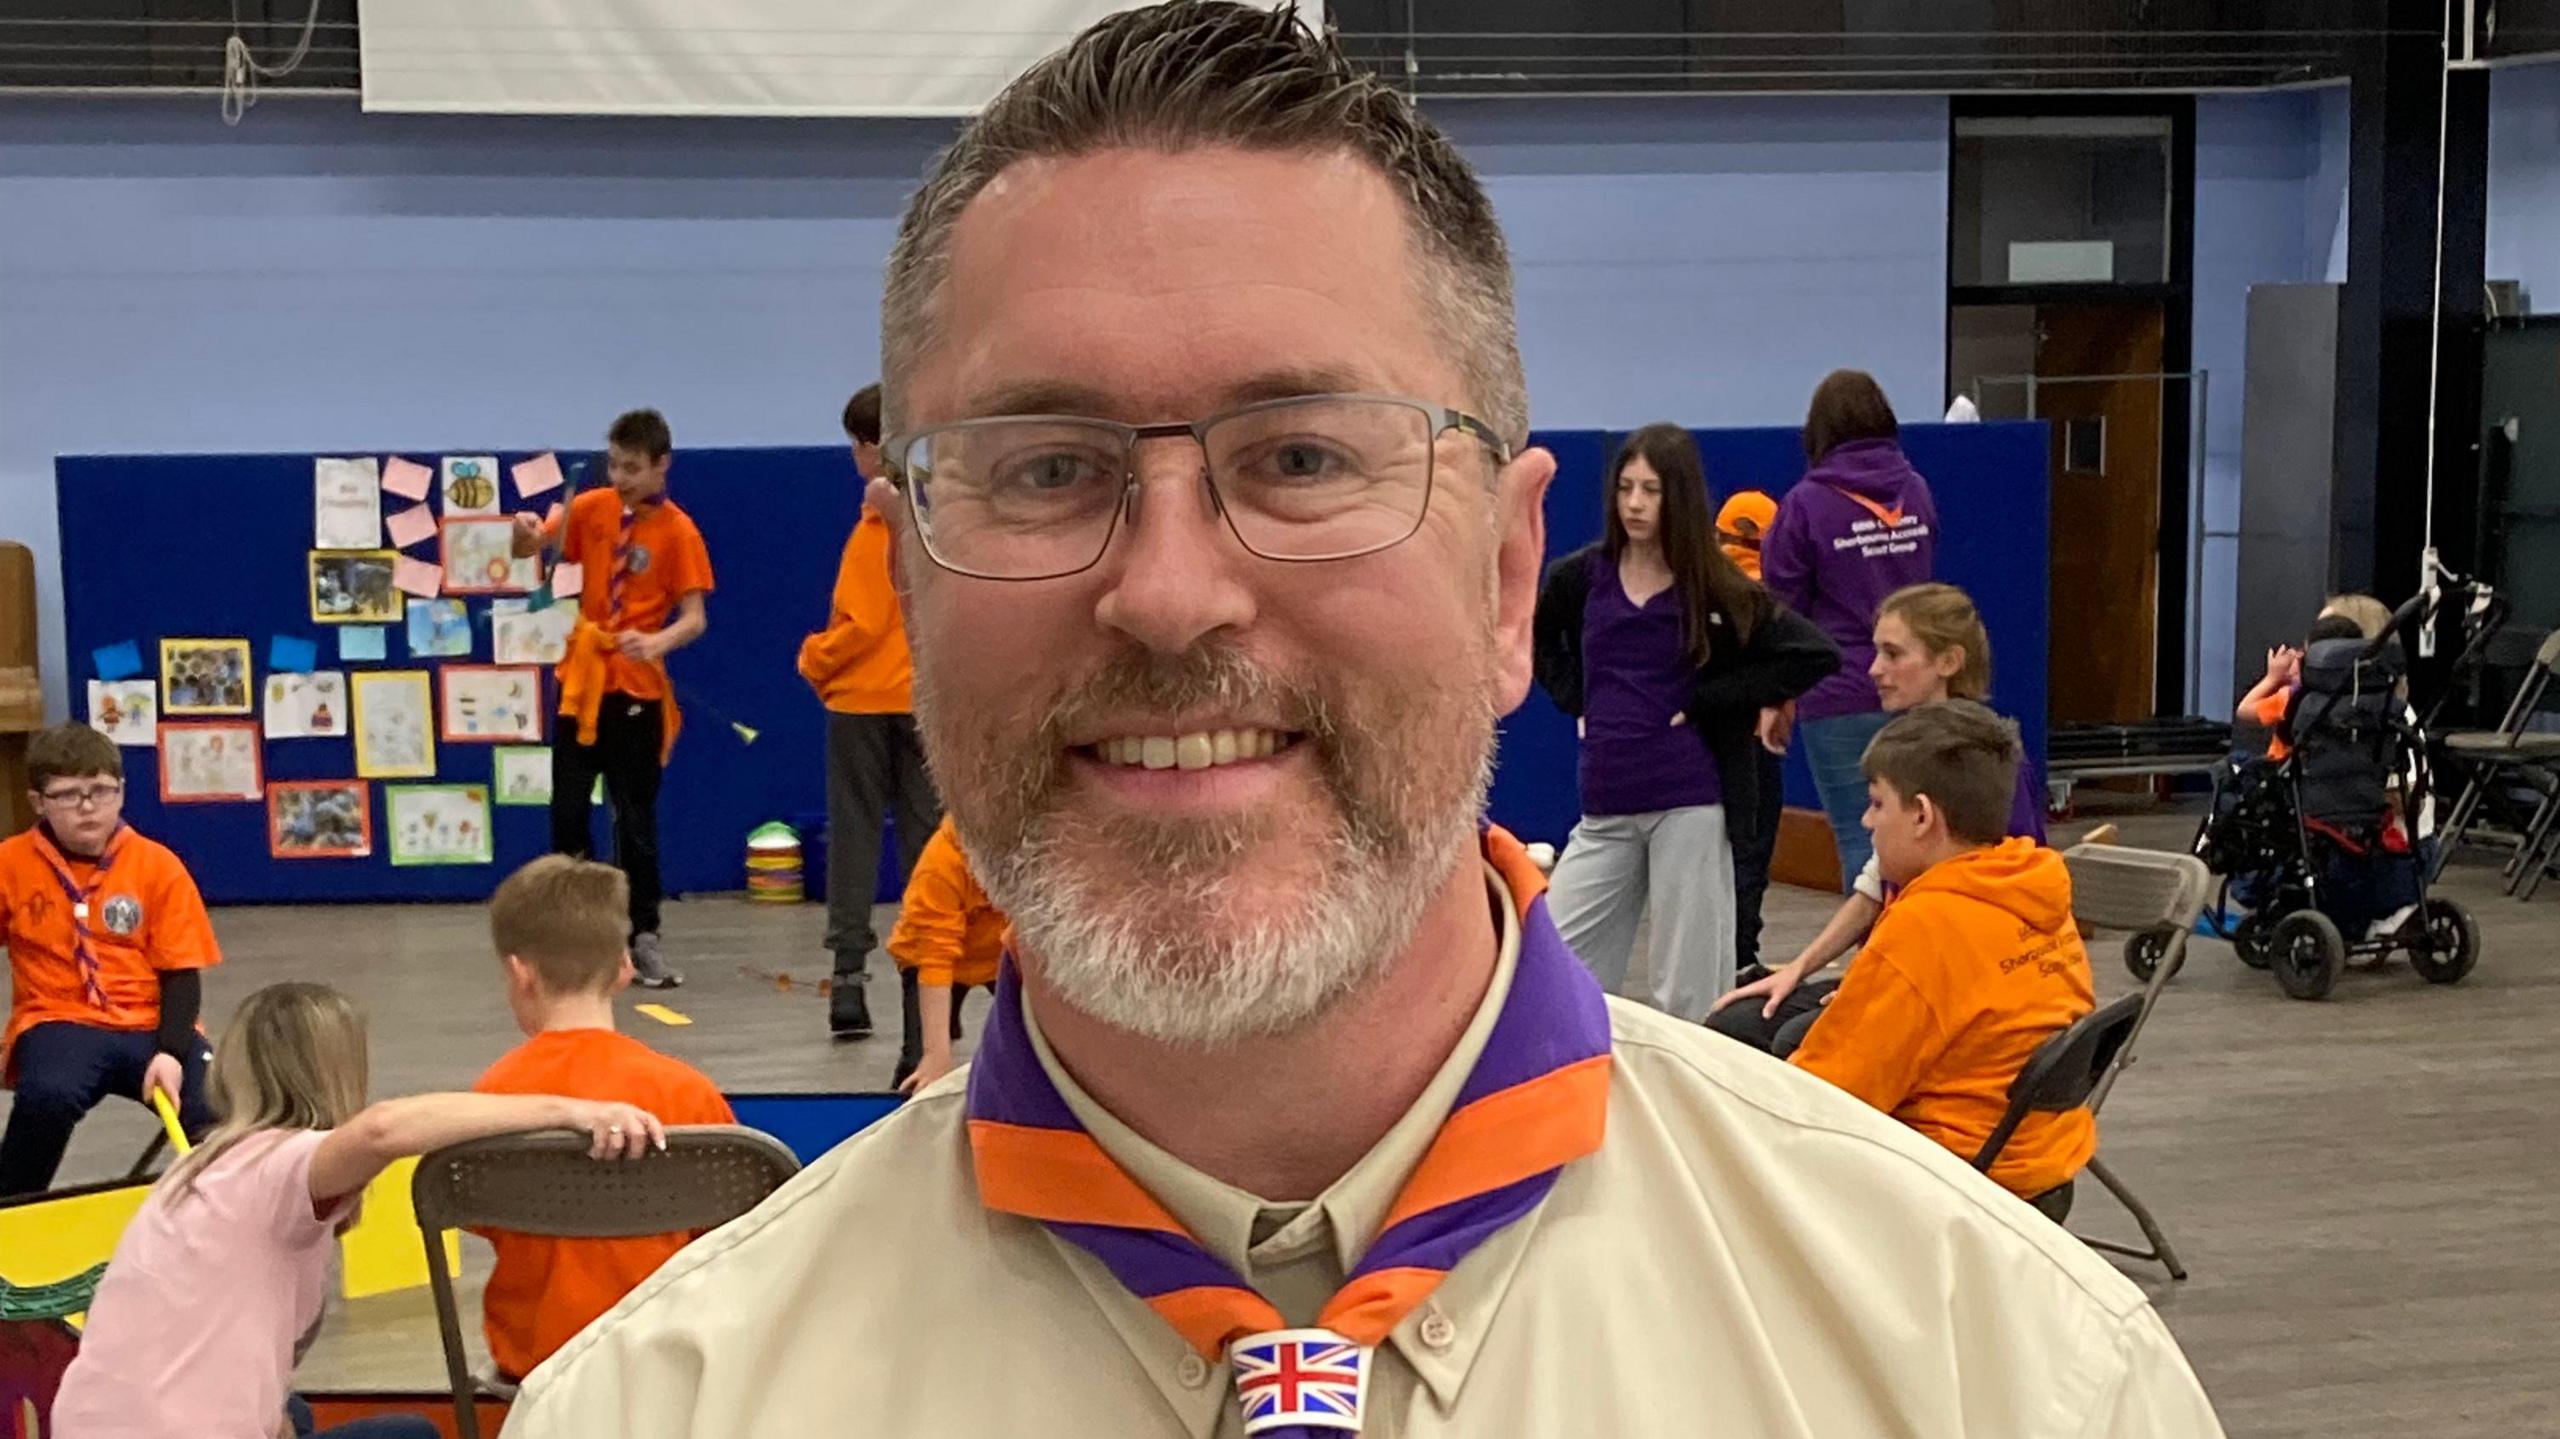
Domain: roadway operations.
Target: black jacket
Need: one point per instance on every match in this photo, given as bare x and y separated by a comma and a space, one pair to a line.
1786, 655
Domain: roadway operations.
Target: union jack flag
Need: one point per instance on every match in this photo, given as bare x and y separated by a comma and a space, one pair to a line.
1299, 1379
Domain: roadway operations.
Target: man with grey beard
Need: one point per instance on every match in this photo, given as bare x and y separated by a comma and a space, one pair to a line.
1218, 538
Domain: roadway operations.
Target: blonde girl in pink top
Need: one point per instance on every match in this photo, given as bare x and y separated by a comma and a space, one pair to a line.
216, 1287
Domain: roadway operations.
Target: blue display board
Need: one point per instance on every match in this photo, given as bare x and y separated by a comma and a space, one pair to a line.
179, 545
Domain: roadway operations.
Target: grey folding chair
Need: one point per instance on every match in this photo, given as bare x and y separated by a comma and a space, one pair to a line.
2498, 760
2157, 896
545, 1184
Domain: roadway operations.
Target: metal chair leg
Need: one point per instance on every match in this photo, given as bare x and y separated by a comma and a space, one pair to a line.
2449, 838
150, 1155
457, 1368
2545, 853
2529, 845
2160, 1251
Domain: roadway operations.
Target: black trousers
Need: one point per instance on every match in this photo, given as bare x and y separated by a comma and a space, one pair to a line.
629, 734
64, 1071
1755, 844
875, 771
1780, 1033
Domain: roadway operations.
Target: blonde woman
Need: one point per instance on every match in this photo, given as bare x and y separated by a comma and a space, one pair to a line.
1930, 646
216, 1287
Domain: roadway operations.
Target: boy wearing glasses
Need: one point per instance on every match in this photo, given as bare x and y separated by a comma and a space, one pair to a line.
107, 941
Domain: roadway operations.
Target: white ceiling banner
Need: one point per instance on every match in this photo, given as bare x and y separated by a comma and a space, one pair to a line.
698, 57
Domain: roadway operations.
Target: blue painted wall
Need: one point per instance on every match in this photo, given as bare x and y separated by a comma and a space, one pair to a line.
323, 280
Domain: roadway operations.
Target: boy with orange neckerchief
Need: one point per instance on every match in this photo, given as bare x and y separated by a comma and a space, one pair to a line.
108, 941
644, 574
1974, 964
557, 926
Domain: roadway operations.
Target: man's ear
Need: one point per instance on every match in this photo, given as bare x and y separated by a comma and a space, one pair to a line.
1520, 557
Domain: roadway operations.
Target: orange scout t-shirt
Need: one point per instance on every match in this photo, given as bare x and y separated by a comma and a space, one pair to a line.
948, 931
1965, 974
859, 664
543, 1291
666, 562
88, 941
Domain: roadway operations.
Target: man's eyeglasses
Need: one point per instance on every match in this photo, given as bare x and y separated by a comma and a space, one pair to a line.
83, 796
1316, 477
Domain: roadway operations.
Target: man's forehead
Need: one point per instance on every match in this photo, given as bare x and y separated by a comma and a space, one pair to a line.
1142, 277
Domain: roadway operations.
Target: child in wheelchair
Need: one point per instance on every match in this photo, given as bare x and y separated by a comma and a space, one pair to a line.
2320, 840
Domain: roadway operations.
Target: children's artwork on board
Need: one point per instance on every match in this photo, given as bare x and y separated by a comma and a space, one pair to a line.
437, 823
204, 677
201, 763
531, 637
126, 711
346, 504
353, 587
488, 704
521, 774
438, 628
319, 819
470, 485
480, 558
395, 736
307, 706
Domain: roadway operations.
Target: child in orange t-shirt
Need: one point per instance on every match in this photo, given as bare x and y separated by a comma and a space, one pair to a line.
108, 941
949, 936
644, 572
1973, 966
557, 924
2267, 702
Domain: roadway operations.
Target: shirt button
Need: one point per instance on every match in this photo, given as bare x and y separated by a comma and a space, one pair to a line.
1194, 1371
1437, 1331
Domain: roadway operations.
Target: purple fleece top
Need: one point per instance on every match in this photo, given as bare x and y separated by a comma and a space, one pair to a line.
1858, 526
1635, 679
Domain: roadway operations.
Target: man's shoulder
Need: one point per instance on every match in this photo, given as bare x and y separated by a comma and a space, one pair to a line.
1750, 1139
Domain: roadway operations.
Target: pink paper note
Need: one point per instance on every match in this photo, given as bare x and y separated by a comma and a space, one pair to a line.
537, 476
410, 526
565, 580
406, 478
416, 577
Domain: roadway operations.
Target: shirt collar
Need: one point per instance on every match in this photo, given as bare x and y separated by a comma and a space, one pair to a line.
1440, 1338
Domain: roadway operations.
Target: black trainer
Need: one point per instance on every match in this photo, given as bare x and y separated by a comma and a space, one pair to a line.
848, 1012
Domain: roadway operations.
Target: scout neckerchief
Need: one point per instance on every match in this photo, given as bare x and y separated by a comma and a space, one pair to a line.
1536, 1100
78, 895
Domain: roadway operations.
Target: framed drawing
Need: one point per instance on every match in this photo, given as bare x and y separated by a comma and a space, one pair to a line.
492, 704
346, 504
353, 587
306, 706
470, 484
438, 629
395, 734
126, 711
437, 823
531, 637
480, 558
204, 677
521, 774
209, 762
320, 819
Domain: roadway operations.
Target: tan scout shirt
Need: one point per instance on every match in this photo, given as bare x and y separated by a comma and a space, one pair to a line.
1751, 1253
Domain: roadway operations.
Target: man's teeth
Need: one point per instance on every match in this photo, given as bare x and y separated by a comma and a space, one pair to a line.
1199, 749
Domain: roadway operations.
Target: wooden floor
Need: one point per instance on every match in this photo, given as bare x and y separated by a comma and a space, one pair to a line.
2367, 1190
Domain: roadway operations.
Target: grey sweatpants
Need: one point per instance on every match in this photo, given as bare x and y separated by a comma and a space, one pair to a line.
875, 770
1679, 861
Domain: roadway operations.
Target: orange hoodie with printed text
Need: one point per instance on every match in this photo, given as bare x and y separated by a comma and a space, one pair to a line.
1973, 966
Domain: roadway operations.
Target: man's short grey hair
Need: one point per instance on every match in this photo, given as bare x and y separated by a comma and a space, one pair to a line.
1208, 72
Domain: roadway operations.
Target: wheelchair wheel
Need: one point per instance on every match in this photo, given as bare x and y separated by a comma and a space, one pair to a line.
2449, 947
2142, 953
2249, 940
2306, 952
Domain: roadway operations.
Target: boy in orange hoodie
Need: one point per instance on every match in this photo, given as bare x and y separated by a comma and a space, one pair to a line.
949, 937
1972, 966
557, 925
860, 668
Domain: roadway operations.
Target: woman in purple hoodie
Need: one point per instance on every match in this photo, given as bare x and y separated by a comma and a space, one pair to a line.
1858, 526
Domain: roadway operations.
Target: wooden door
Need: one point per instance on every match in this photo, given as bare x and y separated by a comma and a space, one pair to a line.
2106, 505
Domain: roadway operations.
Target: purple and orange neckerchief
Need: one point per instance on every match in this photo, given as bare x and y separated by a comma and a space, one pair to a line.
1536, 1101
77, 896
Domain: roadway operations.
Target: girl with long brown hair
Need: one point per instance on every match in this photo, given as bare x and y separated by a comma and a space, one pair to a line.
1667, 655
